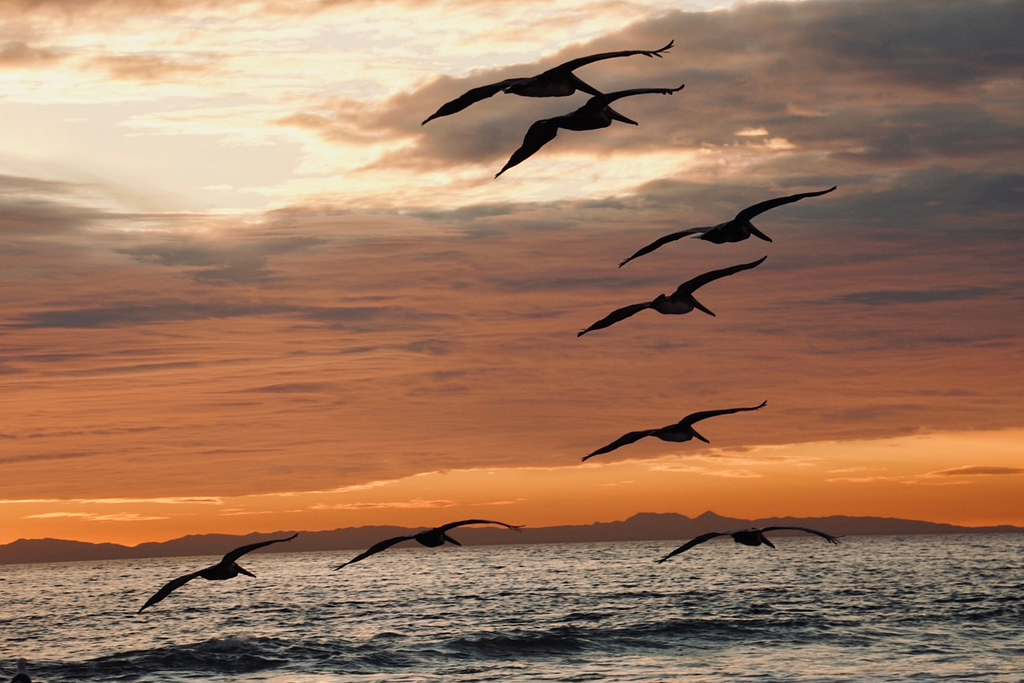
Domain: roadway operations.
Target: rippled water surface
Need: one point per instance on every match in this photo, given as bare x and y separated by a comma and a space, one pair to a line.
915, 608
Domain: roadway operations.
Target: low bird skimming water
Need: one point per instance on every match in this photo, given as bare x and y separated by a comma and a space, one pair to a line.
431, 538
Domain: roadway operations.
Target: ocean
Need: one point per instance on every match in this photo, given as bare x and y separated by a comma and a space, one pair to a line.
882, 608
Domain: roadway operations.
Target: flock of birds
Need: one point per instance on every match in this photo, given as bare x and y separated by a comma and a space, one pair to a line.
596, 113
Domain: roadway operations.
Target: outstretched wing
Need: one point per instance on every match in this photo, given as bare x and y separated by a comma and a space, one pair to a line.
471, 97
574, 64
170, 587
705, 414
689, 544
238, 552
834, 540
751, 211
539, 134
661, 241
608, 98
690, 286
376, 548
623, 440
464, 522
614, 317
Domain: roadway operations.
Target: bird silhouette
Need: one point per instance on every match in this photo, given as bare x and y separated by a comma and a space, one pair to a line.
431, 538
22, 675
679, 302
751, 537
679, 432
227, 568
734, 230
595, 113
559, 81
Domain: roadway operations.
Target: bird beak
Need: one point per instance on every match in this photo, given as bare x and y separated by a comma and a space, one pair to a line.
619, 117
702, 307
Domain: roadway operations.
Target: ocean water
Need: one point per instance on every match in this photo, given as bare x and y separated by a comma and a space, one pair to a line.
912, 608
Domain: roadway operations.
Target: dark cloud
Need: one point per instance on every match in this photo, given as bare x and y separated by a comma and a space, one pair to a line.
149, 67
865, 81
886, 297
132, 314
36, 208
239, 260
978, 470
17, 54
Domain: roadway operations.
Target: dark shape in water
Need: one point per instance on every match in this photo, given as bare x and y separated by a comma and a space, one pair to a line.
227, 568
735, 230
431, 538
679, 302
559, 81
596, 113
751, 537
679, 432
22, 675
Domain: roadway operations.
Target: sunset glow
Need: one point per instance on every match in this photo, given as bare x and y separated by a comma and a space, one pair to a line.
246, 290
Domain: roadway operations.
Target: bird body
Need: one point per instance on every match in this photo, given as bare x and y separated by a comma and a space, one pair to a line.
432, 538
558, 81
227, 568
736, 229
594, 114
679, 432
679, 302
750, 537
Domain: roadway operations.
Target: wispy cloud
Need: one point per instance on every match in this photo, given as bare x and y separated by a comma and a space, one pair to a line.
397, 505
91, 517
975, 471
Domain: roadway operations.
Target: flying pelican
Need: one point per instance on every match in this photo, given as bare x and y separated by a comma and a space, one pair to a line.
679, 302
227, 568
752, 537
595, 113
679, 432
735, 230
22, 675
559, 81
431, 538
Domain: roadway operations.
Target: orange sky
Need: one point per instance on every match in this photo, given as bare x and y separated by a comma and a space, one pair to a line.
246, 291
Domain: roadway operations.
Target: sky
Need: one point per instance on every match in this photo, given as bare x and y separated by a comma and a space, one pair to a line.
246, 290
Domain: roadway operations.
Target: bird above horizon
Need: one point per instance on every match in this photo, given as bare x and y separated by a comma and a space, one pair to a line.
558, 81
431, 538
751, 537
227, 568
679, 432
594, 114
679, 302
737, 229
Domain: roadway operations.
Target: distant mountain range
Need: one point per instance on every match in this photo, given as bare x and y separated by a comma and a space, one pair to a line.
646, 526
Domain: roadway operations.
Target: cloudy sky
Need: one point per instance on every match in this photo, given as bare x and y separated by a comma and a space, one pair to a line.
245, 290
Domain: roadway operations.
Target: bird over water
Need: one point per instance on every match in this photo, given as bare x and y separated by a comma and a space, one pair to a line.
559, 81
227, 568
679, 302
679, 432
751, 537
736, 229
22, 675
431, 538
